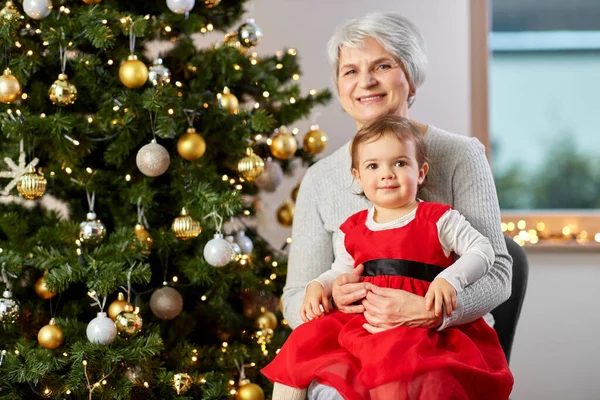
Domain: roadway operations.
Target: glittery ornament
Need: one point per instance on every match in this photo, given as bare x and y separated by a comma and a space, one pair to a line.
158, 74
10, 310
166, 303
153, 159
181, 6
218, 252
271, 177
133, 73
191, 145
181, 383
10, 88
92, 230
128, 323
9, 12
250, 166
285, 214
315, 140
249, 391
42, 290
144, 237
245, 242
228, 101
62, 92
283, 145
185, 227
101, 329
50, 336
267, 320
37, 9
32, 184
249, 34
211, 3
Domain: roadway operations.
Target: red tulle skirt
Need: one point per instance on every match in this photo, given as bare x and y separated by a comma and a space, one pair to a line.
464, 362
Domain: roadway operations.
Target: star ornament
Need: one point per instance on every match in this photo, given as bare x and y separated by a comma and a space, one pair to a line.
16, 171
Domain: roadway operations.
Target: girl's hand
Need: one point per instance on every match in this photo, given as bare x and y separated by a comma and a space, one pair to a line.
315, 303
441, 294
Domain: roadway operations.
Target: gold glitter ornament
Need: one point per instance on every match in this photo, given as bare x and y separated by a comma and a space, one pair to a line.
9, 12
285, 214
250, 166
191, 145
32, 184
42, 290
62, 92
283, 144
152, 159
185, 227
133, 73
228, 101
315, 140
266, 320
128, 323
211, 3
249, 391
181, 382
120, 304
144, 237
50, 336
10, 88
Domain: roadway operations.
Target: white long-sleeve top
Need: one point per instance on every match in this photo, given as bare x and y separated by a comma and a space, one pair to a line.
455, 235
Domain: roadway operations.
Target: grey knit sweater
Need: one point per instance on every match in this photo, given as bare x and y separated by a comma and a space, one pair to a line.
459, 175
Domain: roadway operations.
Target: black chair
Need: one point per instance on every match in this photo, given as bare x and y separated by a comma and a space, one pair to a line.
507, 314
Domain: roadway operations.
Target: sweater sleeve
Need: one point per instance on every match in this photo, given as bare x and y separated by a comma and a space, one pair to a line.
311, 251
475, 198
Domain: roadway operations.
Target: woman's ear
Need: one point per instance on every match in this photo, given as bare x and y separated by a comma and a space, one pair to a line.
423, 173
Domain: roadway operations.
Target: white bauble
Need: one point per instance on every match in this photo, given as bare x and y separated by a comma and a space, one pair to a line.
180, 6
37, 9
152, 159
236, 247
218, 251
244, 242
271, 177
101, 329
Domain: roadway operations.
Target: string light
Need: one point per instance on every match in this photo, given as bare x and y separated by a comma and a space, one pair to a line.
127, 177
295, 77
312, 92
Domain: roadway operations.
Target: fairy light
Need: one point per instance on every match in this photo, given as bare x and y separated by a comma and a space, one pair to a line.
503, 226
167, 28
90, 120
295, 77
116, 108
104, 22
30, 52
123, 20
68, 170
178, 84
289, 240
110, 62
24, 96
566, 230
205, 105
147, 17
127, 177
267, 282
175, 279
17, 352
225, 344
232, 181
541, 226
292, 52
273, 277
279, 53
146, 385
89, 170
521, 224
104, 382
238, 187
269, 141
312, 92
232, 392
279, 66
236, 67
68, 391
246, 212
18, 44
202, 380
258, 137
97, 384
231, 382
38, 31
256, 105
225, 178
510, 226
194, 359
203, 298
597, 237
292, 100
171, 111
203, 30
84, 362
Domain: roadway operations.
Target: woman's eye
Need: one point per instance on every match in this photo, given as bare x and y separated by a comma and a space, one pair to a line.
349, 72
384, 66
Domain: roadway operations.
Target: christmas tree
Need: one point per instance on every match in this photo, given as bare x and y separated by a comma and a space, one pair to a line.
128, 182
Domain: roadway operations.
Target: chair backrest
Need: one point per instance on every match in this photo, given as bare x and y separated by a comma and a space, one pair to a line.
507, 314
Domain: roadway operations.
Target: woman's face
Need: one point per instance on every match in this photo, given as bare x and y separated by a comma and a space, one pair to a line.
371, 83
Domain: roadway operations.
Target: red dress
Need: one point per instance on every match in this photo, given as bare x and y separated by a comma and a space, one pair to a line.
462, 362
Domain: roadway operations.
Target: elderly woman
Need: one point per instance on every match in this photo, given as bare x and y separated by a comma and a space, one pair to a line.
378, 63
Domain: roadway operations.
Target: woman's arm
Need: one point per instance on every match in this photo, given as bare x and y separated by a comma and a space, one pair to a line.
475, 198
311, 251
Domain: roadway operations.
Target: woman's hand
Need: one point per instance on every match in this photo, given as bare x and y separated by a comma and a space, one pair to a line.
388, 308
348, 289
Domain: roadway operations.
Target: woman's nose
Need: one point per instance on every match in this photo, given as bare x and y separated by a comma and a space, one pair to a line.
367, 80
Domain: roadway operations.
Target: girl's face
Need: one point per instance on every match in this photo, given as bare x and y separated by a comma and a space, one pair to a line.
371, 83
388, 172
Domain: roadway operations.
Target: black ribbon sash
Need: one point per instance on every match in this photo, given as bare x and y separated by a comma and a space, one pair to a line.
409, 269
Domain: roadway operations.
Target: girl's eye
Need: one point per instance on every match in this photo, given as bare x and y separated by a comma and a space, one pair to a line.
372, 166
400, 163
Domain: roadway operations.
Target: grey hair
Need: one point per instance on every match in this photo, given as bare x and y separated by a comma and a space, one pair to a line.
395, 33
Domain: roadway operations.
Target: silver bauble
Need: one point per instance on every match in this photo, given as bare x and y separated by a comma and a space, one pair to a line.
101, 329
153, 159
10, 310
249, 34
218, 252
244, 242
181, 6
158, 74
271, 177
236, 247
37, 9
166, 303
92, 230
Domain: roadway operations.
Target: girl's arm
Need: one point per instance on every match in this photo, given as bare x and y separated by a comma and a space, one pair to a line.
343, 264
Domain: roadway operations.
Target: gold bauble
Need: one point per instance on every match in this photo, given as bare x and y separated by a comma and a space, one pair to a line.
283, 145
249, 391
50, 336
62, 92
185, 227
294, 193
231, 39
9, 12
191, 145
285, 214
128, 323
211, 3
228, 101
266, 320
133, 73
315, 140
92, 1
250, 166
31, 185
120, 304
42, 290
10, 88
144, 237
166, 303
181, 383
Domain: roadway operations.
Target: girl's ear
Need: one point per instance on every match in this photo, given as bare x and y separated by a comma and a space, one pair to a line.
423, 173
356, 174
